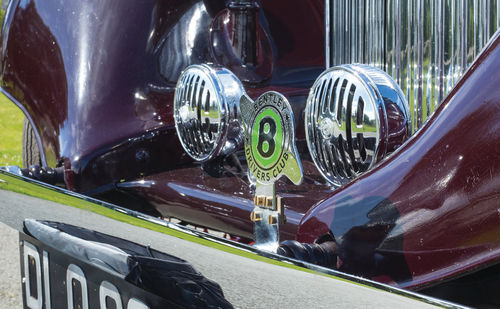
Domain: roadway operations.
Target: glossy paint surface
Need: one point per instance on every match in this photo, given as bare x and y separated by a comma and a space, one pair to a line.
431, 210
98, 80
100, 92
224, 203
93, 81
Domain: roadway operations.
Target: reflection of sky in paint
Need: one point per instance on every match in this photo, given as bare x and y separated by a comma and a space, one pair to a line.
229, 200
193, 26
83, 56
351, 212
23, 3
185, 42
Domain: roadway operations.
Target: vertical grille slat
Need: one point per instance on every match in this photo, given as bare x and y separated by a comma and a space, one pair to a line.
186, 89
425, 45
310, 114
324, 94
197, 133
201, 112
336, 161
318, 102
348, 123
333, 96
339, 102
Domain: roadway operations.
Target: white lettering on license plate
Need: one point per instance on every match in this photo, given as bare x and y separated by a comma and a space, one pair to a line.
74, 277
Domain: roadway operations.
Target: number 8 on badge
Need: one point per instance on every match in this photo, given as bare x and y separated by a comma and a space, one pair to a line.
269, 139
270, 152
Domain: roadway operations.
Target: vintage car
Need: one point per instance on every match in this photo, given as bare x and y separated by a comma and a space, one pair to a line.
382, 115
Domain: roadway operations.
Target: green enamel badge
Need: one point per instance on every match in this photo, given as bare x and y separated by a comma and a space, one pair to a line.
269, 138
270, 151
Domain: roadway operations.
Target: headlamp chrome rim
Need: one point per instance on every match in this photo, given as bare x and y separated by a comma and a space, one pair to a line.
227, 90
336, 146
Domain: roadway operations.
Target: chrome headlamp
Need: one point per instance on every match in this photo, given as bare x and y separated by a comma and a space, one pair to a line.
355, 115
206, 111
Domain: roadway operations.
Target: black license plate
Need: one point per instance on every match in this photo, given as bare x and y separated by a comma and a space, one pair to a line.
53, 279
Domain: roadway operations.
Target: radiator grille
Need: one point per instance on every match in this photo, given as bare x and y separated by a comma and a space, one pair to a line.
425, 45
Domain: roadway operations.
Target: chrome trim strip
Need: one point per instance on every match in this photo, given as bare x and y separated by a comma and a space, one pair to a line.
135, 184
27, 115
327, 34
236, 245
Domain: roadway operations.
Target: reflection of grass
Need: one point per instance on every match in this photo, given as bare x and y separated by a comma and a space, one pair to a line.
11, 128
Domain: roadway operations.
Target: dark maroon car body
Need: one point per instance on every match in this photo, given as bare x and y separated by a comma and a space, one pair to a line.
97, 79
